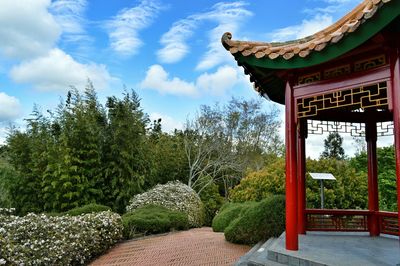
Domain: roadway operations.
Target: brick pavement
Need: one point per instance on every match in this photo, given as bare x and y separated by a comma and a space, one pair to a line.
200, 246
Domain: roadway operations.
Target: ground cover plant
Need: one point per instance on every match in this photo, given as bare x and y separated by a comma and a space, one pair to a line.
38, 239
152, 219
174, 196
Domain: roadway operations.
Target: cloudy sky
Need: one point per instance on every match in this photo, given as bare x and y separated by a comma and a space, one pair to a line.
169, 51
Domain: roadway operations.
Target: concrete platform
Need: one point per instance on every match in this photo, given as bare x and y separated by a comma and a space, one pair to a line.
320, 248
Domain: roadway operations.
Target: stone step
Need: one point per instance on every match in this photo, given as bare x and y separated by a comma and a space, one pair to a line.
258, 255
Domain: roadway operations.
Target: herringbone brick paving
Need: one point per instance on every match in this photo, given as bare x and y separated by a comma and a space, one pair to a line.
200, 246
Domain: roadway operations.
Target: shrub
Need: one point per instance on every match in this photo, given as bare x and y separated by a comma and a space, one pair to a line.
153, 219
212, 200
228, 213
173, 196
259, 222
42, 240
89, 208
261, 184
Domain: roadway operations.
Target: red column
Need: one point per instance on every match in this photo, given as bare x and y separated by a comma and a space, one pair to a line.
292, 242
301, 176
396, 120
373, 199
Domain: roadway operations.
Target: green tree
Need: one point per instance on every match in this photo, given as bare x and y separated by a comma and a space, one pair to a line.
126, 161
386, 175
333, 147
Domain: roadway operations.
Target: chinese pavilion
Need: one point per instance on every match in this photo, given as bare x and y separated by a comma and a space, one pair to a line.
346, 76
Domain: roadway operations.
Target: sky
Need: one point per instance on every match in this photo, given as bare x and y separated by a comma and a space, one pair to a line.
168, 51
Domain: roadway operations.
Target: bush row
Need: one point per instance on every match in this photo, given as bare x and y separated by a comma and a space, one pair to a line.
57, 240
249, 223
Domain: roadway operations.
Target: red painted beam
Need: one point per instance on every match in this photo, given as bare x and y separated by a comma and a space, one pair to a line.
292, 241
373, 199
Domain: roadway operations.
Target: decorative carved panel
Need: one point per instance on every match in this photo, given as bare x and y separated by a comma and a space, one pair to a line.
337, 71
355, 98
309, 78
370, 63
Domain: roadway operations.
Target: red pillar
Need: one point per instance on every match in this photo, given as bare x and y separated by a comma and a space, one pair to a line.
292, 242
396, 120
373, 199
301, 176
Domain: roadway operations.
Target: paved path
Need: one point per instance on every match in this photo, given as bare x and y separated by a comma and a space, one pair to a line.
200, 246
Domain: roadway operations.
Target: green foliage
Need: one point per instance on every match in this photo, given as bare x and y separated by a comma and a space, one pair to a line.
79, 154
228, 213
386, 175
85, 152
167, 153
152, 219
259, 222
64, 240
173, 196
209, 195
349, 191
89, 208
333, 147
258, 185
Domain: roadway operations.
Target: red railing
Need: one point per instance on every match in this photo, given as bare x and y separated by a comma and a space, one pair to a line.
350, 221
337, 220
389, 223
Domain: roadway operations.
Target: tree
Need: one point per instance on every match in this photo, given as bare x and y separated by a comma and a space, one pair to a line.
333, 147
225, 142
125, 157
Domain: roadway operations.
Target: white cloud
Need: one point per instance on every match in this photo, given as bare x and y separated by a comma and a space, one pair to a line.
124, 28
174, 41
228, 17
57, 71
69, 14
10, 107
168, 124
158, 79
217, 83
27, 28
306, 28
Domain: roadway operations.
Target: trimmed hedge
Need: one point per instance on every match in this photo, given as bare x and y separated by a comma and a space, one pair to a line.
228, 213
65, 240
174, 196
153, 219
89, 208
259, 222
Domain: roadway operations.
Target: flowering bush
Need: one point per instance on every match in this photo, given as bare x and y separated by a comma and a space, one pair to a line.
37, 239
174, 196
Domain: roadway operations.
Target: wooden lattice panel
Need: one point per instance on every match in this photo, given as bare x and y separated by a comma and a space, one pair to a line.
324, 222
355, 98
389, 224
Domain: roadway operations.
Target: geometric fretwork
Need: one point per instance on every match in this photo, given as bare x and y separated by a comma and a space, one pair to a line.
355, 98
317, 127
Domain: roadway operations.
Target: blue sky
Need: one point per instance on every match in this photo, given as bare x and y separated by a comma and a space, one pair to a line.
168, 51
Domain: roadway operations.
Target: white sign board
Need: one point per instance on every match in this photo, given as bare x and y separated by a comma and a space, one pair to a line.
323, 176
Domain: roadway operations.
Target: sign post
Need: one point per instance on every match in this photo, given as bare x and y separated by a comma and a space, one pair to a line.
321, 177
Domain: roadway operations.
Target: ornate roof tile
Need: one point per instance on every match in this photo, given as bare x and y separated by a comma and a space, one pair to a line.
303, 47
